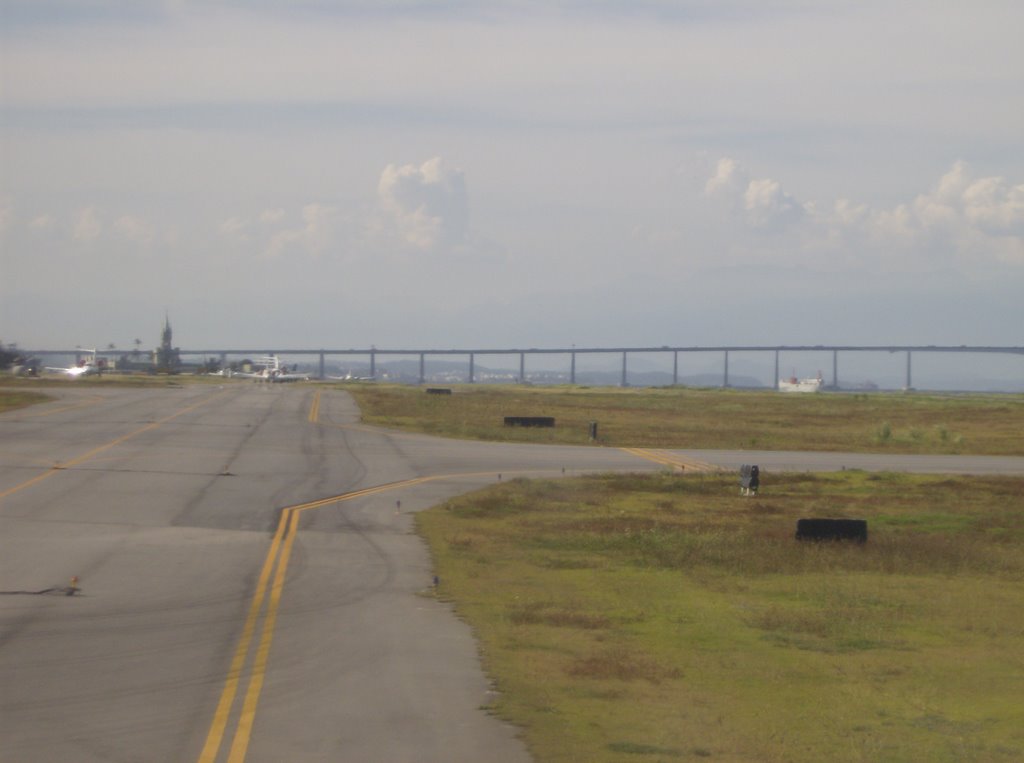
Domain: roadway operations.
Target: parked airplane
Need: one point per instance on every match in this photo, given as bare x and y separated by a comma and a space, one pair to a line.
86, 366
273, 371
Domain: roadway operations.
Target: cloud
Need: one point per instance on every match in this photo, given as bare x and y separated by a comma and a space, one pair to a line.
87, 225
993, 205
271, 216
761, 201
967, 217
766, 203
134, 229
241, 229
427, 206
234, 228
961, 217
728, 181
315, 236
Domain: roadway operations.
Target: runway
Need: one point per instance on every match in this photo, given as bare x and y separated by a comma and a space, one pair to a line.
250, 585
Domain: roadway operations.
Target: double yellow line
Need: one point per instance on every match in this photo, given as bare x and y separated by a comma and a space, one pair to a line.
673, 460
276, 565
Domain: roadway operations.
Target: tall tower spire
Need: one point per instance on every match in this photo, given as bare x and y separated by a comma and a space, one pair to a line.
167, 358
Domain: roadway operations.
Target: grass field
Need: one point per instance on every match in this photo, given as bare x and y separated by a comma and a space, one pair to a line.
701, 418
659, 617
11, 399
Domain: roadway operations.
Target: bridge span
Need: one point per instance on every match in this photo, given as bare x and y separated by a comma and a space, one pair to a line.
374, 353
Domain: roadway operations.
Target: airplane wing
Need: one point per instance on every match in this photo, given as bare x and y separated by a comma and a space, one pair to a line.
75, 371
86, 366
283, 377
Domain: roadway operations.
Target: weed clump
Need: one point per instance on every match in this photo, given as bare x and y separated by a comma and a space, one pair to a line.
884, 433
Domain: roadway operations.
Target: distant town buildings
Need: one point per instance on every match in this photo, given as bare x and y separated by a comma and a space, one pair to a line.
165, 359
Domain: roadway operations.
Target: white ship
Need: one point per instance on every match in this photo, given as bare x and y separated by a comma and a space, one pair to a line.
792, 384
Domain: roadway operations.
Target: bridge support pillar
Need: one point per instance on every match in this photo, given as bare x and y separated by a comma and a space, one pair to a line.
909, 383
373, 364
835, 369
625, 381
471, 359
572, 368
321, 375
725, 381
776, 384
423, 375
522, 368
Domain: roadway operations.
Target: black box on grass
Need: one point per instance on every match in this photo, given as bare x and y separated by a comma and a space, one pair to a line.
832, 529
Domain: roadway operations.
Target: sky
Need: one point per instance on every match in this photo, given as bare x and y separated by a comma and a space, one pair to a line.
403, 174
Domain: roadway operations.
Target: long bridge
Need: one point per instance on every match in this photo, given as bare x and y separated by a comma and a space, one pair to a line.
373, 353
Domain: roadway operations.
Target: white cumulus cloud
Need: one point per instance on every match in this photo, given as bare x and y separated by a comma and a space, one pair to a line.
993, 205
729, 180
962, 217
766, 203
761, 202
966, 216
427, 205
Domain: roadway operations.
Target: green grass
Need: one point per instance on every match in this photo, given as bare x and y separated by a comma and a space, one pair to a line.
659, 617
700, 418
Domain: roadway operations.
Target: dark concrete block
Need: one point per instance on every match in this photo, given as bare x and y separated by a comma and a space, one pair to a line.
832, 529
529, 421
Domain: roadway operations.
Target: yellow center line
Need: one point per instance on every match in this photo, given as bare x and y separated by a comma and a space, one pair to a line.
314, 410
90, 454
